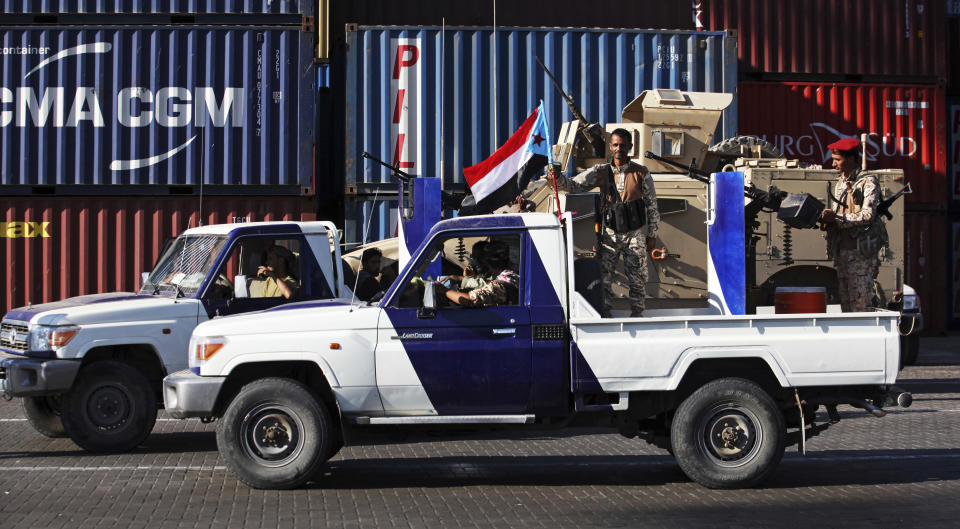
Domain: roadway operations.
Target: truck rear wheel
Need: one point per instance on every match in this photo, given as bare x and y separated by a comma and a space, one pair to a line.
728, 434
276, 434
43, 413
111, 408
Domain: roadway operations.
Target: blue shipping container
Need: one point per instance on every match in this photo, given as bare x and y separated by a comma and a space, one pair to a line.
436, 103
157, 105
64, 7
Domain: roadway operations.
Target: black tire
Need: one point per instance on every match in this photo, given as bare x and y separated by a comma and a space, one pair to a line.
909, 349
730, 147
43, 413
748, 418
111, 408
275, 434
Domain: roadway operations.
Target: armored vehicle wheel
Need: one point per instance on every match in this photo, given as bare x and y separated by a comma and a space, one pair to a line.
728, 434
275, 434
43, 413
111, 408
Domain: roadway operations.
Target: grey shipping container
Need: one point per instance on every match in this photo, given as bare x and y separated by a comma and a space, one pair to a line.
195, 7
153, 105
435, 101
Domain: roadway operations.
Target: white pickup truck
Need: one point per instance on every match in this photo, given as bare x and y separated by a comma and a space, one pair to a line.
724, 393
91, 366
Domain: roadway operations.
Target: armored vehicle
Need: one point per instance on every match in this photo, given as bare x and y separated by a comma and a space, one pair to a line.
679, 127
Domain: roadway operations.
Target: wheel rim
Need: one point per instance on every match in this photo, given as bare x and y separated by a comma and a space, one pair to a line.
730, 435
271, 435
108, 407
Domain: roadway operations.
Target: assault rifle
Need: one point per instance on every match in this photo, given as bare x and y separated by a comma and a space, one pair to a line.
591, 132
883, 207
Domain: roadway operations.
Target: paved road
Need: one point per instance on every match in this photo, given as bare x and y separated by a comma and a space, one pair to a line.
902, 470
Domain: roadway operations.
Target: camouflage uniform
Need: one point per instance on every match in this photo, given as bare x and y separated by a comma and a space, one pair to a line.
495, 292
856, 238
631, 244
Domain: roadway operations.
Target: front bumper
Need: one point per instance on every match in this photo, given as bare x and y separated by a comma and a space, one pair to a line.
186, 394
30, 377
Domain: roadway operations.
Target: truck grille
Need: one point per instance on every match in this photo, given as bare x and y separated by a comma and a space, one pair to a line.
14, 336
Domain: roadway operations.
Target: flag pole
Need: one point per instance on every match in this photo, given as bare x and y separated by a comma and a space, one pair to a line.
550, 164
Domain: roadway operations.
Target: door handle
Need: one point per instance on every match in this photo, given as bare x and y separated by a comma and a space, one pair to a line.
505, 331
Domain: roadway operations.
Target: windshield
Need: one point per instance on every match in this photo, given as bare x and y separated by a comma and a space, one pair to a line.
183, 267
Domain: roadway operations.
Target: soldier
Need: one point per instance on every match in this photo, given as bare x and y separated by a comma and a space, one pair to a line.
636, 198
855, 232
501, 290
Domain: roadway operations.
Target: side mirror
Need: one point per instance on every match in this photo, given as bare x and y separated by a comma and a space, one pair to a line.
429, 308
240, 287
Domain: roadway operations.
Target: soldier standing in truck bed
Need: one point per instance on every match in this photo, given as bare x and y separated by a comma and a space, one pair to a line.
630, 217
855, 232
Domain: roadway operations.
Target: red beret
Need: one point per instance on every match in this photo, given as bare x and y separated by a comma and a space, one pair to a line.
844, 145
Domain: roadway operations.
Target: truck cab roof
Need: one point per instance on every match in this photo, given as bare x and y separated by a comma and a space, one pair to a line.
246, 228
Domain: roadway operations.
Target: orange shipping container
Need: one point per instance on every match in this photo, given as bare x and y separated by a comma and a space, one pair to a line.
55, 248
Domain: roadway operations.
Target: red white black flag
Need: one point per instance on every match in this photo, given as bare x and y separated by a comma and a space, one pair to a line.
498, 180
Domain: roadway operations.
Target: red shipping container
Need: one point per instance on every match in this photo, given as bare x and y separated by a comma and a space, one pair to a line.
890, 38
906, 126
55, 248
927, 265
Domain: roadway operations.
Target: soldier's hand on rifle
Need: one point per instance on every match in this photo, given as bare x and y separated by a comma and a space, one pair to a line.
828, 216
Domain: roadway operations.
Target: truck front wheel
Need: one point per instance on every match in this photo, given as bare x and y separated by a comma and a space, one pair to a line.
111, 407
44, 415
728, 434
275, 434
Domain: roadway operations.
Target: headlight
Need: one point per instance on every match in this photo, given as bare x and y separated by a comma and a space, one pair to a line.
48, 338
204, 347
911, 303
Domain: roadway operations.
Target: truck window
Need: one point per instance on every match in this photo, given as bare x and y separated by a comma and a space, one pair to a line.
264, 262
485, 267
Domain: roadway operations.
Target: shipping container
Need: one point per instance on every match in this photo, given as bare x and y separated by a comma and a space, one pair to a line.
903, 39
435, 101
622, 14
954, 245
905, 124
927, 264
143, 7
55, 248
368, 219
952, 120
149, 105
953, 53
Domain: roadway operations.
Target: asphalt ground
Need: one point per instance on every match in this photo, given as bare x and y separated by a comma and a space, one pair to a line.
899, 471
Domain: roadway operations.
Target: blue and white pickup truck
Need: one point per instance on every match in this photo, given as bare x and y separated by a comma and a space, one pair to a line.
91, 366
724, 393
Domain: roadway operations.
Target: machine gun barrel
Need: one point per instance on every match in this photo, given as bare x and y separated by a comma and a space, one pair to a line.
399, 174
570, 101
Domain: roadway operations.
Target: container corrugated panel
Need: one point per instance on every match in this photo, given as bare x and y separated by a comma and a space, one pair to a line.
903, 38
403, 102
156, 105
55, 248
905, 123
952, 120
629, 14
954, 251
368, 219
95, 7
927, 264
953, 51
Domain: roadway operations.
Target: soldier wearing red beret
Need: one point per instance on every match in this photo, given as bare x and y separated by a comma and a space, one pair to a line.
855, 232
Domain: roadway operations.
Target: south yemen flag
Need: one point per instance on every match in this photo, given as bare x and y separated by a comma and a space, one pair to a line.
498, 180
